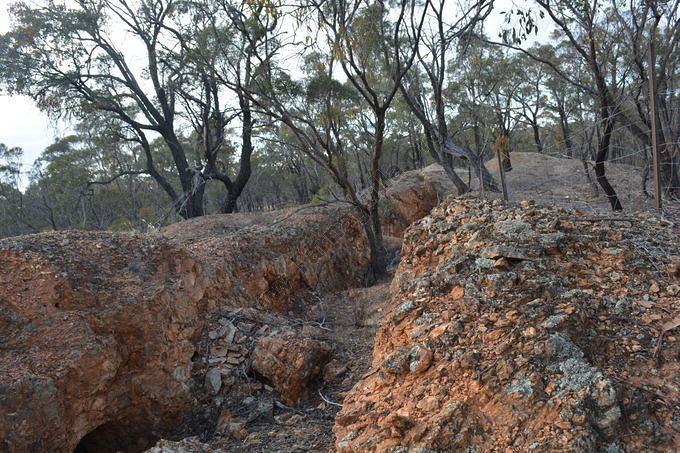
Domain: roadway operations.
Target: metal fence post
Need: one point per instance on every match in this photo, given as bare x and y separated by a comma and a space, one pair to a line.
652, 121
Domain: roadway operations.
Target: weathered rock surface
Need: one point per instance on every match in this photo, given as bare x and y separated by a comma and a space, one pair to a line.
97, 333
411, 196
290, 363
270, 260
517, 328
272, 263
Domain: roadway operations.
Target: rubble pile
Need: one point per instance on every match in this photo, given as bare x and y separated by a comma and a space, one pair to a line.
254, 362
519, 328
247, 346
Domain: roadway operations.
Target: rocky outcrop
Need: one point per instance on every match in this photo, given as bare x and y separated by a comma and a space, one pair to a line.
106, 339
98, 332
517, 328
411, 196
271, 264
270, 260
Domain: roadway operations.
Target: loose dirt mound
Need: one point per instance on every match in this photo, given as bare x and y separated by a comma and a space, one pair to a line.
556, 181
98, 332
515, 328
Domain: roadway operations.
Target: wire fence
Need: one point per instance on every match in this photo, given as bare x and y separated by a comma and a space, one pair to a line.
555, 178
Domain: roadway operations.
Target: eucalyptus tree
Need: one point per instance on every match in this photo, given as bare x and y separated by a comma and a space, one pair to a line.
507, 86
657, 23
225, 41
562, 105
530, 97
57, 178
12, 220
10, 168
363, 34
476, 81
424, 88
586, 27
362, 42
139, 63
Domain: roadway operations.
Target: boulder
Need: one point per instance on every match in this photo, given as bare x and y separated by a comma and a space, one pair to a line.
290, 363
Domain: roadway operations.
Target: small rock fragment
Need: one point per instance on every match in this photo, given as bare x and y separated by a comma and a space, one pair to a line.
213, 381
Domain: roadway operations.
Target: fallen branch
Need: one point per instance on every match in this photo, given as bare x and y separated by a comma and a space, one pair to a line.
602, 219
280, 405
327, 401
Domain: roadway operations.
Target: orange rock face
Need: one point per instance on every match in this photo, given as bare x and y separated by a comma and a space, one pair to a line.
516, 328
269, 260
272, 260
98, 332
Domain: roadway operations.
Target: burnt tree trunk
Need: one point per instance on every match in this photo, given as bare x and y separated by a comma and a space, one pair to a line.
236, 188
375, 236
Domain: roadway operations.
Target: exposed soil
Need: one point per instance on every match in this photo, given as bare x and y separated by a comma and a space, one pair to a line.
468, 363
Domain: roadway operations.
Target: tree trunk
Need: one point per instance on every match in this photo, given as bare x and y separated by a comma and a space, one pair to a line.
645, 175
601, 157
447, 163
372, 225
593, 185
378, 255
605, 138
482, 173
670, 163
445, 159
537, 137
245, 170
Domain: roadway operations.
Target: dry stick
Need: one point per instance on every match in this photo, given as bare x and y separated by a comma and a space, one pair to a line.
327, 401
601, 219
657, 350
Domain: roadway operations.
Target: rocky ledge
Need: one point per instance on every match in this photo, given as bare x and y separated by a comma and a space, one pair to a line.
518, 328
98, 333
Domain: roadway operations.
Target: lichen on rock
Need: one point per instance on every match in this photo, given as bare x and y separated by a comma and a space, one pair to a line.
527, 351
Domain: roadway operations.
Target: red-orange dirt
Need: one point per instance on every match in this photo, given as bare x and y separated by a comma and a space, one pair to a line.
106, 337
518, 328
98, 332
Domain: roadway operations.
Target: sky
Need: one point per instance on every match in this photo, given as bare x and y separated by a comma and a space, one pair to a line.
23, 124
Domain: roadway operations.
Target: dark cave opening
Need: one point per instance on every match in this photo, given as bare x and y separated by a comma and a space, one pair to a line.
117, 436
